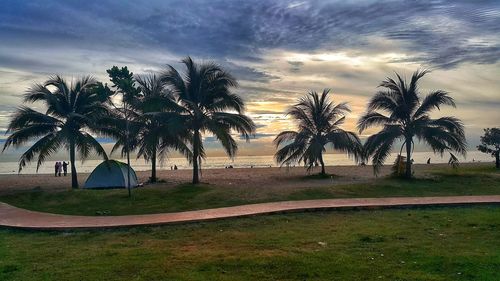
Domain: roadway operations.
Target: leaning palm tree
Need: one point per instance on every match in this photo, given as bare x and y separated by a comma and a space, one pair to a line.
149, 124
404, 115
73, 111
207, 105
319, 120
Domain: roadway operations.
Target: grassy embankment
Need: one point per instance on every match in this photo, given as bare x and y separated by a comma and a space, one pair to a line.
477, 180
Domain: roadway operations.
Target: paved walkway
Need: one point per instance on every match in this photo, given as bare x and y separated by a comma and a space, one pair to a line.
11, 216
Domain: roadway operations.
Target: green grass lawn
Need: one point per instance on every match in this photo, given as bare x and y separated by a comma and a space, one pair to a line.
465, 181
460, 243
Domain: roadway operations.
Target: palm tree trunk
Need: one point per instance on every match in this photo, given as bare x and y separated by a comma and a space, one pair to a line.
74, 176
196, 152
408, 159
323, 172
153, 166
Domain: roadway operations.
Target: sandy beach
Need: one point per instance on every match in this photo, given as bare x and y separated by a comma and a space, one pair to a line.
270, 179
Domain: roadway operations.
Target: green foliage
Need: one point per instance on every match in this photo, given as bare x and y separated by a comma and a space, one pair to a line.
150, 123
124, 83
403, 114
490, 143
399, 166
206, 104
319, 121
73, 112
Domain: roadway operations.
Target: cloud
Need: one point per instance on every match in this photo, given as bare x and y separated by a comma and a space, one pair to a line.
349, 46
295, 65
247, 73
440, 30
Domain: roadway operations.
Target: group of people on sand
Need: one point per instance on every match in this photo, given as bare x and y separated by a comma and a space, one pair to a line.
60, 167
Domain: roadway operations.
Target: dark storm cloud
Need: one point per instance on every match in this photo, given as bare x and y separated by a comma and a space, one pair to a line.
248, 73
443, 33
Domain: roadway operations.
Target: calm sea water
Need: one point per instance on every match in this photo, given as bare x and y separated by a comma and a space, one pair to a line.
238, 162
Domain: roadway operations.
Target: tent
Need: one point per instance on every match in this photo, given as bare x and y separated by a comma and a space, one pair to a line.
111, 174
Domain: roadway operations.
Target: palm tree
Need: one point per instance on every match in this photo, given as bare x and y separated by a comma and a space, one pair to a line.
207, 105
149, 124
404, 115
319, 121
72, 112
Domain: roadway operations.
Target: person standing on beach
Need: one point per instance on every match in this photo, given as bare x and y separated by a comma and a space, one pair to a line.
56, 168
59, 170
65, 167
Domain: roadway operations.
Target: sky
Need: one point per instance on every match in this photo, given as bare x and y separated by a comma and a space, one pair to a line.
278, 51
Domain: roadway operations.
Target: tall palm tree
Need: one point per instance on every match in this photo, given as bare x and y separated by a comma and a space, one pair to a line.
73, 111
151, 133
207, 105
319, 120
404, 115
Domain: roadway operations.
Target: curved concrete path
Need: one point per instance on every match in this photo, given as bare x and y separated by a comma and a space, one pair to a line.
11, 216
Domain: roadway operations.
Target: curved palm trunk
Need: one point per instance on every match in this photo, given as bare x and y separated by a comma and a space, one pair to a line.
408, 159
196, 153
74, 176
153, 166
323, 172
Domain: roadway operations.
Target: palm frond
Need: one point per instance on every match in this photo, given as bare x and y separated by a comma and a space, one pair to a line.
44, 147
346, 141
380, 144
285, 136
372, 119
237, 122
434, 101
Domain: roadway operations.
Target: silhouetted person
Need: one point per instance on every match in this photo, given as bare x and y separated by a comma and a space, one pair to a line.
56, 168
175, 167
429, 161
65, 167
59, 170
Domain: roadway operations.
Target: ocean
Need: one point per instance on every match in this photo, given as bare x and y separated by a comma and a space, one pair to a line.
239, 162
